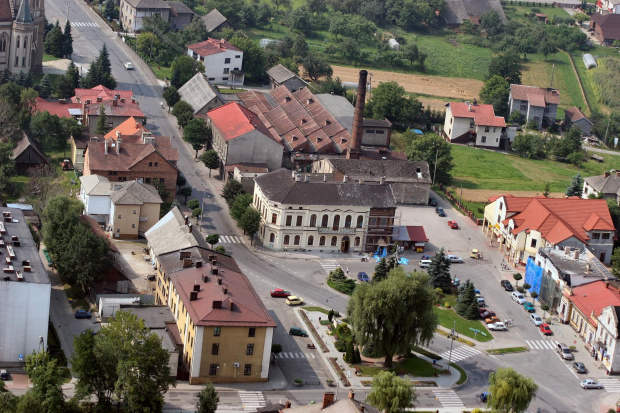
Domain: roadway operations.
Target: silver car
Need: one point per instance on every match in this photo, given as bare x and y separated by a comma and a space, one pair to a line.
454, 259
590, 384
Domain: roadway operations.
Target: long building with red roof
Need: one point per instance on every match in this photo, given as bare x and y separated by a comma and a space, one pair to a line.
525, 224
473, 123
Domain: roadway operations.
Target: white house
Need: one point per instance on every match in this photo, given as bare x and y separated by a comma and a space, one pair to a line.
608, 6
607, 337
132, 12
223, 62
467, 122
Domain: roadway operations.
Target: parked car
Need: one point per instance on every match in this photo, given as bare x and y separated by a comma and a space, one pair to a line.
432, 201
297, 331
453, 224
590, 384
279, 292
535, 319
529, 307
454, 259
481, 302
564, 351
293, 300
507, 285
363, 277
499, 326
424, 263
486, 313
129, 66
83, 314
474, 253
579, 367
518, 297
440, 212
545, 329
4, 375
491, 320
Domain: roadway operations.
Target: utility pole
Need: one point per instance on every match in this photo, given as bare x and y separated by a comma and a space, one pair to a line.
552, 73
452, 343
607, 129
435, 171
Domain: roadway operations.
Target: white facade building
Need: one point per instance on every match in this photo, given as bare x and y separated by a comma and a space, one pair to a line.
466, 122
607, 338
132, 12
223, 62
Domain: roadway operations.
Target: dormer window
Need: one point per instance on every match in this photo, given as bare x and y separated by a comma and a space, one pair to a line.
303, 120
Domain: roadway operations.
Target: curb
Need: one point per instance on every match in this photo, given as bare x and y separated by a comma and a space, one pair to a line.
457, 386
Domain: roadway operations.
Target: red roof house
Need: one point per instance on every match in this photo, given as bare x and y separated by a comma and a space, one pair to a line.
466, 123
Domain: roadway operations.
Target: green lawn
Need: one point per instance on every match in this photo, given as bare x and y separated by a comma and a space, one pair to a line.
414, 366
448, 316
49, 58
480, 169
514, 12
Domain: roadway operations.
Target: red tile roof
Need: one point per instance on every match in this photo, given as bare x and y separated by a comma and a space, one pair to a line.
234, 120
5, 10
122, 109
593, 297
100, 92
55, 108
482, 114
129, 155
534, 95
129, 127
417, 233
212, 46
575, 114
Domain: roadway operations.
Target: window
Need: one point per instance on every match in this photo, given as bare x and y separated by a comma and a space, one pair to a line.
311, 240
272, 237
225, 78
336, 224
322, 240
226, 70
596, 235
487, 129
471, 124
150, 163
313, 220
252, 332
147, 180
133, 225
227, 60
274, 218
605, 235
236, 68
217, 331
215, 349
249, 350
370, 131
334, 241
299, 220
23, 61
211, 79
523, 107
16, 60
155, 164
17, 43
289, 219
247, 370
237, 56
347, 221
324, 220
501, 206
533, 243
119, 217
287, 239
483, 139
360, 221
357, 242
2, 44
296, 240
25, 41
212, 369
135, 211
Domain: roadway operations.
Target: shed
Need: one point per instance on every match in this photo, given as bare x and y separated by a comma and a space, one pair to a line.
394, 45
589, 61
266, 42
410, 236
28, 154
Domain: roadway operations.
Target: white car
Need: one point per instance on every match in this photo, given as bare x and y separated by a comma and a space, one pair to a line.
535, 319
499, 326
590, 384
129, 66
518, 297
454, 259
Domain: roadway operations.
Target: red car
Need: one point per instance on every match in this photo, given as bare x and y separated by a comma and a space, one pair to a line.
544, 328
453, 225
279, 292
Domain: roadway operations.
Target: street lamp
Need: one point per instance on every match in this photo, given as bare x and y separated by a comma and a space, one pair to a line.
452, 343
468, 239
285, 249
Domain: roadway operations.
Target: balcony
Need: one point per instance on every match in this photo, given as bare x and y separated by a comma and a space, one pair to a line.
331, 230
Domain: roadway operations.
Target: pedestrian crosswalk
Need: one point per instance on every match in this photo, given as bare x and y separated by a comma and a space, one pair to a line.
230, 239
448, 398
460, 353
293, 355
329, 265
251, 400
84, 24
611, 385
541, 344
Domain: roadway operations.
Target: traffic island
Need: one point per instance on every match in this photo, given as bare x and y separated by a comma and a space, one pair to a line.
315, 333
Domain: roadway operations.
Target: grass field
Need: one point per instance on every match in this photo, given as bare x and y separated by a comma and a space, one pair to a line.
49, 58
518, 12
589, 86
447, 317
414, 366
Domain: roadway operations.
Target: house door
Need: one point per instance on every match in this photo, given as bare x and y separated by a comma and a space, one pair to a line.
344, 245
601, 257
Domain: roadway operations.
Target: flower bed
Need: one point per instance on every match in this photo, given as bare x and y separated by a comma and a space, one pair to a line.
339, 372
315, 333
459, 339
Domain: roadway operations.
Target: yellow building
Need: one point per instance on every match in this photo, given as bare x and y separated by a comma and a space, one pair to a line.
224, 326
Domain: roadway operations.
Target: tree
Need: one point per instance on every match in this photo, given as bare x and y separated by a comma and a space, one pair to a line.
389, 101
495, 92
196, 133
45, 87
391, 394
428, 148
148, 42
547, 190
507, 66
254, 63
211, 160
213, 239
54, 41
300, 19
491, 23
67, 41
232, 189
220, 249
46, 378
181, 181
545, 308
394, 314
240, 205
315, 67
193, 204
576, 187
516, 276
207, 399
333, 86
100, 72
184, 112
316, 6
381, 271
284, 3
467, 298
108, 10
250, 222
510, 391
359, 27
530, 146
65, 85
102, 127
439, 271
48, 130
300, 47
183, 69
171, 95
186, 192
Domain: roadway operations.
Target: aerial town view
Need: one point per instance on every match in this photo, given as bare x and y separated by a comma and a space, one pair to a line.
300, 206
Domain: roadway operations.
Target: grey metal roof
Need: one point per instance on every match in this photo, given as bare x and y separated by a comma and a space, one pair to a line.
391, 170
213, 20
280, 186
457, 11
336, 105
170, 234
134, 193
198, 92
605, 185
179, 7
155, 317
96, 185
280, 73
148, 4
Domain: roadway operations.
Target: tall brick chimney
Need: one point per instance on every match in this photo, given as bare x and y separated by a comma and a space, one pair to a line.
328, 398
355, 149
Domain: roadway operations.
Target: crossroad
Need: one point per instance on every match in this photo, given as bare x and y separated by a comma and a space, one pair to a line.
448, 398
460, 353
251, 400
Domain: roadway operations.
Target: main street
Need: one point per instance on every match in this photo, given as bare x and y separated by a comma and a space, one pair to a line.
559, 390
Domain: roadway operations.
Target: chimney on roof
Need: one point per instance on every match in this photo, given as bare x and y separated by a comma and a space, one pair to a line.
215, 270
115, 102
133, 99
118, 134
88, 101
224, 289
576, 254
99, 99
189, 227
355, 148
298, 178
469, 106
475, 102
606, 175
567, 250
193, 295
324, 178
382, 180
198, 263
307, 179
351, 394
62, 101
205, 278
196, 286
186, 218
287, 405
328, 398
187, 262
345, 179
117, 187
217, 304
122, 100
105, 147
117, 95
118, 146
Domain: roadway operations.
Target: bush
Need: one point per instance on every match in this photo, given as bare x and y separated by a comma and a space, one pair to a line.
196, 212
276, 348
193, 204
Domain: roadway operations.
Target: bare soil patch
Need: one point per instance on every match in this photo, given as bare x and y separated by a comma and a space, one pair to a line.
449, 87
437, 104
483, 195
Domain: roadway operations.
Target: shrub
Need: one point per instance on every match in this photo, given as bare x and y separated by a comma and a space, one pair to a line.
276, 348
193, 204
196, 212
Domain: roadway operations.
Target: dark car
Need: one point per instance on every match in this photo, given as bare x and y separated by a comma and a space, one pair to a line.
507, 285
440, 212
579, 367
432, 201
279, 292
297, 331
4, 375
487, 314
363, 277
83, 314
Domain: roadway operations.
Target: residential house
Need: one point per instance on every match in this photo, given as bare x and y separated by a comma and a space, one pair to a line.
605, 28
27, 154
225, 329
575, 117
131, 128
61, 108
330, 405
245, 174
132, 12
410, 237
79, 144
24, 292
535, 103
473, 123
607, 185
126, 209
116, 111
410, 181
280, 75
608, 6
239, 136
172, 232
150, 158
179, 14
606, 345
223, 62
215, 21
201, 94
100, 94
327, 216
459, 11
522, 225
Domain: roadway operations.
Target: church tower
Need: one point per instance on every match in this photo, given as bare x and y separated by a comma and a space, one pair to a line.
21, 35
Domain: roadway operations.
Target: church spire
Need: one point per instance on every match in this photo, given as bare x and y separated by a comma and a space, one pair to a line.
23, 15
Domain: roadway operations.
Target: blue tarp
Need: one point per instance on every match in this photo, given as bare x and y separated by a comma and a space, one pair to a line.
417, 131
533, 275
403, 261
381, 252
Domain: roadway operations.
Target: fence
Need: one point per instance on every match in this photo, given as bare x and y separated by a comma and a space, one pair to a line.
460, 205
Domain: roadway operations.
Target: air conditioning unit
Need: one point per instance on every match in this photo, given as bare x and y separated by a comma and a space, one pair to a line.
236, 364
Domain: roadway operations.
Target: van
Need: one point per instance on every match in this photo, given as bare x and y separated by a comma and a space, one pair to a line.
297, 331
425, 263
565, 352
